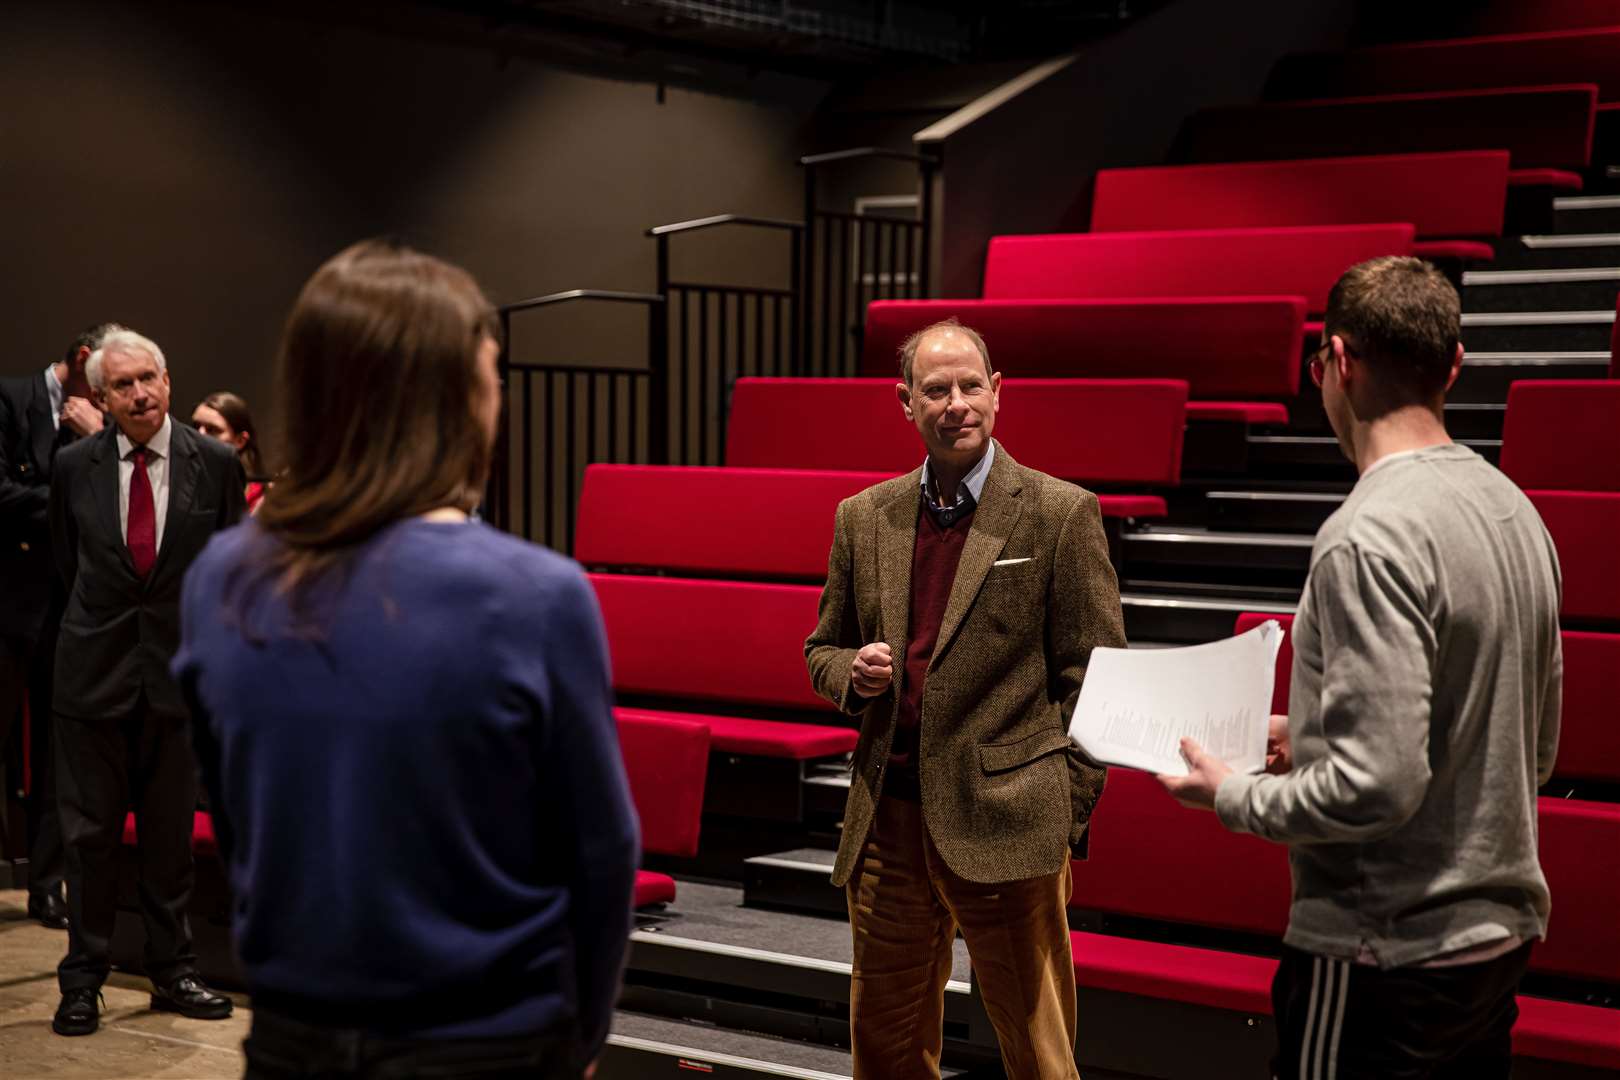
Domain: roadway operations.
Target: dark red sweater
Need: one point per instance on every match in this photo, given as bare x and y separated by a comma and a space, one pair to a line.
933, 572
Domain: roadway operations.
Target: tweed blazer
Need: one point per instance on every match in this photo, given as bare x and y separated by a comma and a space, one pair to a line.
1005, 796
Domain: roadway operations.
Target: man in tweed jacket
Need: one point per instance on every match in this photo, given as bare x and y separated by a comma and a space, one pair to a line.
962, 604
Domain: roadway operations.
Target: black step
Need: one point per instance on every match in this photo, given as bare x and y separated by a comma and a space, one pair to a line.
1319, 456
1586, 214
1577, 289
1194, 552
1475, 419
1281, 511
1486, 376
645, 1047
1186, 618
1557, 250
1503, 331
795, 880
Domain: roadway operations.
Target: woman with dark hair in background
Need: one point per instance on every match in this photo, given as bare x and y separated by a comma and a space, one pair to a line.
224, 416
404, 718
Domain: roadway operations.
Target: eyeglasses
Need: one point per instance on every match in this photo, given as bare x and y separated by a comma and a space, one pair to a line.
1319, 362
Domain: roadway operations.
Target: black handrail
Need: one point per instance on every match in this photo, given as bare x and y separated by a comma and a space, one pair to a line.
867, 152
579, 294
723, 219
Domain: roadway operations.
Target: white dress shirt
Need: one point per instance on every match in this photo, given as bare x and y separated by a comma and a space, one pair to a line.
157, 471
58, 396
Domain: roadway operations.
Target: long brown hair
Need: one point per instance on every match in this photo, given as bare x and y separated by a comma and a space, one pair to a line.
234, 411
379, 401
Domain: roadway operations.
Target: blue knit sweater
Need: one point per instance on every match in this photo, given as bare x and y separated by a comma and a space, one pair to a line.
421, 804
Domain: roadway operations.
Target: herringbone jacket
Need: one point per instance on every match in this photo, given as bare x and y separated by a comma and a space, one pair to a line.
1004, 795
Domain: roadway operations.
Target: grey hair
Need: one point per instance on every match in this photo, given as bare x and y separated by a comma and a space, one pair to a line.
120, 341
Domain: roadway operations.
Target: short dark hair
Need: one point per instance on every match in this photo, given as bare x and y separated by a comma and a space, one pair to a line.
908, 348
90, 338
1403, 317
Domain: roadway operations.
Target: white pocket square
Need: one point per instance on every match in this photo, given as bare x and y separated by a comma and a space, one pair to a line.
1009, 562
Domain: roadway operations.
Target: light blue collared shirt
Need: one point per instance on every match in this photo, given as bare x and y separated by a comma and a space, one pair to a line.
971, 487
53, 388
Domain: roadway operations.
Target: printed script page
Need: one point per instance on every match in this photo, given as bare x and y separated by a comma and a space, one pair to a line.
1137, 704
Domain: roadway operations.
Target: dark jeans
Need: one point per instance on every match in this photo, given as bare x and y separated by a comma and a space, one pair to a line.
104, 768
25, 665
1355, 1022
281, 1048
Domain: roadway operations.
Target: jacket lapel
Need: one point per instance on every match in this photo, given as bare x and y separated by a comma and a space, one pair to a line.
993, 523
42, 427
184, 465
104, 486
896, 542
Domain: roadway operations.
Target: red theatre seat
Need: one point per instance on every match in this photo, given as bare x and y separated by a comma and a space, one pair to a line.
1584, 525
1589, 737
1225, 347
1285, 655
1517, 17
666, 760
1579, 842
1477, 63
1303, 261
202, 833
740, 523
1088, 431
1445, 196
1563, 434
1547, 127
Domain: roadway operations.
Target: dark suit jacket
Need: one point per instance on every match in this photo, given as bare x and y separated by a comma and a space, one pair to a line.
1004, 795
27, 442
119, 631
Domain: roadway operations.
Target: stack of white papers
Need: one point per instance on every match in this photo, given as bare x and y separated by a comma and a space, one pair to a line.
1136, 705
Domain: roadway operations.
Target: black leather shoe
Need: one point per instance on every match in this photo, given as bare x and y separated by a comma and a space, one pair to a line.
49, 908
78, 1014
188, 996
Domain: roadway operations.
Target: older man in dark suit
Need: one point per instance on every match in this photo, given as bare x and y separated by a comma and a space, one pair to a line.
962, 604
130, 510
38, 415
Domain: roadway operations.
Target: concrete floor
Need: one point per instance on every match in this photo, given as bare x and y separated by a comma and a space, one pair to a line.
134, 1043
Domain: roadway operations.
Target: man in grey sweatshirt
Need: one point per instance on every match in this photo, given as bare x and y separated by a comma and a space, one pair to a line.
1423, 716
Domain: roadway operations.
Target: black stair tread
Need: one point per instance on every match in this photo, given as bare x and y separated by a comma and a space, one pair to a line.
1198, 534
1544, 276
708, 1044
1594, 357
712, 917
808, 858
1193, 600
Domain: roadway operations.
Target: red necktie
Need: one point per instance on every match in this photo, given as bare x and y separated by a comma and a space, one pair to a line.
141, 535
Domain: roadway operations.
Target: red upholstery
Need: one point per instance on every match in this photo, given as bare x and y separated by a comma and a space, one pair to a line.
1589, 737
1285, 656
1580, 854
1132, 506
1224, 347
710, 640
1238, 412
1563, 433
1442, 195
653, 888
1473, 250
666, 759
1516, 16
763, 738
1540, 126
775, 523
1564, 1031
1277, 261
1145, 847
1124, 432
202, 833
1549, 178
1584, 526
1210, 977
1458, 64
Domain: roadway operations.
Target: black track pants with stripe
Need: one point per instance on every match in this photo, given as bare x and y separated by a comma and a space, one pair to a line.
1338, 1020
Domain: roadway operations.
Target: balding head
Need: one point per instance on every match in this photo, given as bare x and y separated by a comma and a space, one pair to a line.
946, 335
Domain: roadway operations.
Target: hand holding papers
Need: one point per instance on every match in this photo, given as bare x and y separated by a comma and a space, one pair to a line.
1138, 704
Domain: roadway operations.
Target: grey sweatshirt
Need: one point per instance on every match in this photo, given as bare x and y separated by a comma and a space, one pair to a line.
1423, 715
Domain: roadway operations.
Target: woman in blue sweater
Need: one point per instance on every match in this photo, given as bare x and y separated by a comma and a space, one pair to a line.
403, 717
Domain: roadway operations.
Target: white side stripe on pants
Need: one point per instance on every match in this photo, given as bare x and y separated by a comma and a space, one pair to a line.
1324, 1019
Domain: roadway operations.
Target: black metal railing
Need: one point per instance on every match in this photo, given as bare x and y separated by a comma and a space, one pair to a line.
558, 418
701, 338
719, 333
851, 259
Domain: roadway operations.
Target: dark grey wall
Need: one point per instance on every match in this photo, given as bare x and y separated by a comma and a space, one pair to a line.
1028, 166
184, 168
